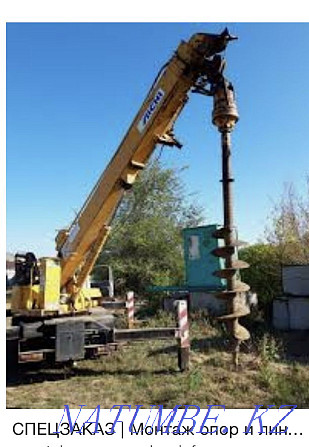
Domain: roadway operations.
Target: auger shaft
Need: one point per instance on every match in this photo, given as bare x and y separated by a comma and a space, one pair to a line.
227, 181
228, 215
225, 116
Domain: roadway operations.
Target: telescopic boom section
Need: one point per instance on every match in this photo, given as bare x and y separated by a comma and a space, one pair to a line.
195, 60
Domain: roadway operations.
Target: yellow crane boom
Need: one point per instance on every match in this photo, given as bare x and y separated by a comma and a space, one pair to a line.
193, 63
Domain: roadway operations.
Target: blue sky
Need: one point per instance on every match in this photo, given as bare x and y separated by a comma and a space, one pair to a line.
73, 90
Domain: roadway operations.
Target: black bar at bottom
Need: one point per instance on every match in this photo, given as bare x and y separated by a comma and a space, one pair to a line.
144, 333
114, 304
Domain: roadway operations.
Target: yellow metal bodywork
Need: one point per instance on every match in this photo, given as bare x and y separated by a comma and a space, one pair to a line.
45, 298
88, 297
25, 298
50, 275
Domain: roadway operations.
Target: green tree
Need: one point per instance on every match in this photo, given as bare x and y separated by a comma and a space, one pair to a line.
145, 246
264, 274
289, 226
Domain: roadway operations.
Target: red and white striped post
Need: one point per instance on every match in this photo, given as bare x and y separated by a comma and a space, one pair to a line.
182, 334
130, 308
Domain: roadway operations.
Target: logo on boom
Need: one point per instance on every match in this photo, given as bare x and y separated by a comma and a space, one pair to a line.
150, 110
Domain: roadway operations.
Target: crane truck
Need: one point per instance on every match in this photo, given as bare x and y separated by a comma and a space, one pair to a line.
53, 312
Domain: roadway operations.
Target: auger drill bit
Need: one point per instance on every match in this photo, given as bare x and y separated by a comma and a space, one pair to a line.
225, 116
